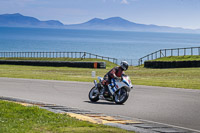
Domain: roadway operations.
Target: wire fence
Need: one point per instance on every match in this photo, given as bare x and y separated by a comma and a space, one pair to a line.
131, 62
81, 55
170, 52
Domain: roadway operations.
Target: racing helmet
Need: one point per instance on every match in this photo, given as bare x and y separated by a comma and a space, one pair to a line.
124, 65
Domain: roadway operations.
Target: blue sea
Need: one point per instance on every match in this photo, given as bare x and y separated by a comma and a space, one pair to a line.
116, 44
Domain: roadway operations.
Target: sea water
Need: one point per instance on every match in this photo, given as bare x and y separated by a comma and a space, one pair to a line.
117, 44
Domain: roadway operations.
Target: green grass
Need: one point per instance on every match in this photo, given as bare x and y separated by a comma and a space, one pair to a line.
177, 77
15, 118
179, 58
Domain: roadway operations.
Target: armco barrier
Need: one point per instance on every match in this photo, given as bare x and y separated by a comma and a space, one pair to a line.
56, 63
171, 64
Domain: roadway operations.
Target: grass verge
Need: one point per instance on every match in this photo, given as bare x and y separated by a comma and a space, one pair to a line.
179, 58
177, 77
108, 63
15, 118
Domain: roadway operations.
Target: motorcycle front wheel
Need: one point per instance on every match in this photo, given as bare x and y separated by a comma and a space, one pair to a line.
121, 96
94, 94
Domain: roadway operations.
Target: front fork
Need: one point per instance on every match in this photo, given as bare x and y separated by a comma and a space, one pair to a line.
100, 89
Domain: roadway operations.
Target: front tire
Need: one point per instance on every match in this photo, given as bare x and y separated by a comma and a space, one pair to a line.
122, 97
94, 94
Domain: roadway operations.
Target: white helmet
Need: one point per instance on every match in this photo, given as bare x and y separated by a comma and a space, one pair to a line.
124, 65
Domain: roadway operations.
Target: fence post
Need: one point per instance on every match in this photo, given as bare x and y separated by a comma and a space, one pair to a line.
178, 51
160, 53
191, 51
156, 55
171, 52
199, 50
184, 51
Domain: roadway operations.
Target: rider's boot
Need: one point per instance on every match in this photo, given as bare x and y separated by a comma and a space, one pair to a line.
106, 91
101, 97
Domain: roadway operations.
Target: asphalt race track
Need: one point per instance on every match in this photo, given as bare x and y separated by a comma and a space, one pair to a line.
179, 107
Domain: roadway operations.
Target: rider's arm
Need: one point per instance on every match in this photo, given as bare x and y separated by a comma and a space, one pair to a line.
112, 73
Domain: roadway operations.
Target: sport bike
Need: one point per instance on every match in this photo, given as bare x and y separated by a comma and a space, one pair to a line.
118, 90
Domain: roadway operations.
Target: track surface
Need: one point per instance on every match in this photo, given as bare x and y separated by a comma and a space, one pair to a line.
179, 107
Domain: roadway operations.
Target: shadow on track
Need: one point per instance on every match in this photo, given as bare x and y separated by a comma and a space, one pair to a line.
103, 103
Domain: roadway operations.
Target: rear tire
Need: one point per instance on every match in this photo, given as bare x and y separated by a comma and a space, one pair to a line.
120, 99
94, 94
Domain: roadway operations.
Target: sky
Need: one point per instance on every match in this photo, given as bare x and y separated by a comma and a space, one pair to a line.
174, 13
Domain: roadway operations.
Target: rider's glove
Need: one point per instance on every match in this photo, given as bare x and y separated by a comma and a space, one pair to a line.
117, 78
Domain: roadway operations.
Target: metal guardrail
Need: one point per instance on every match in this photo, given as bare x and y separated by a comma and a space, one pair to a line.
170, 52
81, 55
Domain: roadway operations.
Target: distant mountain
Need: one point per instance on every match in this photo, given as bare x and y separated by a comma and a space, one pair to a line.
113, 23
18, 20
117, 23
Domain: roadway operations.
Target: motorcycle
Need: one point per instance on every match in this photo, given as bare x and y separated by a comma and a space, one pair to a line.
118, 90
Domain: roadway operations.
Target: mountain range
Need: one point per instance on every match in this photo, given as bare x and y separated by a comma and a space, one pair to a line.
113, 23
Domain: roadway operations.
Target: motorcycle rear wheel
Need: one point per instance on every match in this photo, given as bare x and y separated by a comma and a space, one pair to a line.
94, 94
120, 99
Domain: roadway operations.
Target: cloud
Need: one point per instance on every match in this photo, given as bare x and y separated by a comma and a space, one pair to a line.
121, 1
124, 2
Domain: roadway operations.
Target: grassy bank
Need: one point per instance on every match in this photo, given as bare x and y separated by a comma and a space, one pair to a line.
15, 118
178, 77
108, 63
179, 58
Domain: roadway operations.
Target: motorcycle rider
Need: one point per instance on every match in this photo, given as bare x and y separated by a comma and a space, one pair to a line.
115, 73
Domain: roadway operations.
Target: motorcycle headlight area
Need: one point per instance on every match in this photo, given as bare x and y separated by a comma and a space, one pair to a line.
128, 79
